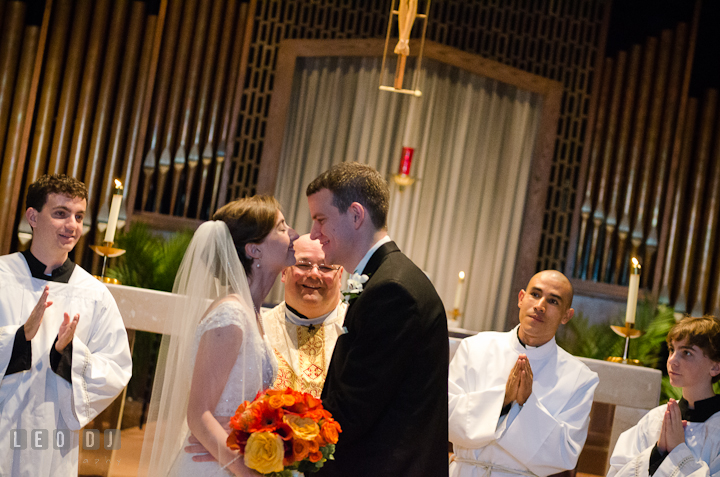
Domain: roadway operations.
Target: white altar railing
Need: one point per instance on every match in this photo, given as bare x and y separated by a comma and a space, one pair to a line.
633, 390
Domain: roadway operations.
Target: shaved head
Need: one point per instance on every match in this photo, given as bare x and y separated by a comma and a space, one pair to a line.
545, 304
561, 279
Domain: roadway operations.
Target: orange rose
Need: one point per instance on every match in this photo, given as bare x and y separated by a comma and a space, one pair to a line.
315, 456
320, 440
311, 401
275, 402
317, 414
301, 449
330, 430
288, 400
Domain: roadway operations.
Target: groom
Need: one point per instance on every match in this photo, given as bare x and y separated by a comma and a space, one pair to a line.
387, 382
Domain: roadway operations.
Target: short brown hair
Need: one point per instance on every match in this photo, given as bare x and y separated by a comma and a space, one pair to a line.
354, 182
703, 332
250, 220
54, 184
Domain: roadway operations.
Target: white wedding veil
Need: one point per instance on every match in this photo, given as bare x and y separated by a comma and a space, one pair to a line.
210, 270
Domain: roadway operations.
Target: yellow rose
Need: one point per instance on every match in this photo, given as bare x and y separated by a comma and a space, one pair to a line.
303, 427
264, 452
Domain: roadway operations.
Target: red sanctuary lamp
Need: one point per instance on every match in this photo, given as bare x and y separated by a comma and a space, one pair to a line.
402, 178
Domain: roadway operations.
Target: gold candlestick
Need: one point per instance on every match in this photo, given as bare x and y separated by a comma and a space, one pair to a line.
107, 251
629, 331
455, 314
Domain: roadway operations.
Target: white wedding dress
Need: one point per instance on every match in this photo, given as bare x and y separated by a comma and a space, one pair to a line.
244, 381
210, 271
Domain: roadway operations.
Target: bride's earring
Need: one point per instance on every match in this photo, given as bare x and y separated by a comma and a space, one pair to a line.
258, 264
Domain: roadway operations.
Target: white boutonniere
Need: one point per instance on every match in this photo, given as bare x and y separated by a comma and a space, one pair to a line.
354, 286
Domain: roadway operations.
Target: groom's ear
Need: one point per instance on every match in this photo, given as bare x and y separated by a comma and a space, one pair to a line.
358, 214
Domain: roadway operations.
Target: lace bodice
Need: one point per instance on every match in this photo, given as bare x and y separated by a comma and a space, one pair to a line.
255, 367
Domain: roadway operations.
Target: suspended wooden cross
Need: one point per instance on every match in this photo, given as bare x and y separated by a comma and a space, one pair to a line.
405, 13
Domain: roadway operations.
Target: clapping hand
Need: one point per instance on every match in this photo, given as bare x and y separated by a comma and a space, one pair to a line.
519, 384
32, 325
672, 433
67, 332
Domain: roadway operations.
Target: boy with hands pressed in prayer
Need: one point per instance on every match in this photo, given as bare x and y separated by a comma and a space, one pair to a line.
680, 438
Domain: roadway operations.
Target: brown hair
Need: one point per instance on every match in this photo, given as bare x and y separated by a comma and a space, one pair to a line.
54, 184
354, 182
703, 332
250, 220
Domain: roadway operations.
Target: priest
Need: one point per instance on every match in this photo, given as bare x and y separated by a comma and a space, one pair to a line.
64, 353
303, 329
518, 404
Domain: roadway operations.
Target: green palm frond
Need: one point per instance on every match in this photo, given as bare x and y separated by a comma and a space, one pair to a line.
598, 341
150, 261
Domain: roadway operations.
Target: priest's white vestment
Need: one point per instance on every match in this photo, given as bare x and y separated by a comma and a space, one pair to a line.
303, 353
542, 437
631, 456
41, 399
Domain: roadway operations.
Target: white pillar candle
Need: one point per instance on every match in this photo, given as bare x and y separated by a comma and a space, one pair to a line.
458, 290
114, 212
633, 291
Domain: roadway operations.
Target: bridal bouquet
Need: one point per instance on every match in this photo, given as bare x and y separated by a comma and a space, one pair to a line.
283, 431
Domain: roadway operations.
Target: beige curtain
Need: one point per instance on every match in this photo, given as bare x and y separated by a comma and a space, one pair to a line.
473, 140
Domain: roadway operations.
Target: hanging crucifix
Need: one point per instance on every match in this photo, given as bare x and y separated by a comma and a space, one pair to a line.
406, 13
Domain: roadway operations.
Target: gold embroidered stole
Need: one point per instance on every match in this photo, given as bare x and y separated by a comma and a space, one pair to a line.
311, 363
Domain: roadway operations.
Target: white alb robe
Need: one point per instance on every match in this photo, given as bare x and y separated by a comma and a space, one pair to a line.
39, 398
699, 456
303, 355
544, 436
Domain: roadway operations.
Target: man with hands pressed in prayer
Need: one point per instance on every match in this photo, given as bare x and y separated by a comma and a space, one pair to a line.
57, 373
518, 404
519, 384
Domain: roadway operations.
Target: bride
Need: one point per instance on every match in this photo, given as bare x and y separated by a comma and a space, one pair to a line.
216, 355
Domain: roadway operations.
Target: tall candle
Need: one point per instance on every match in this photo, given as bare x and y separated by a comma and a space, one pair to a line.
458, 290
407, 155
633, 291
114, 212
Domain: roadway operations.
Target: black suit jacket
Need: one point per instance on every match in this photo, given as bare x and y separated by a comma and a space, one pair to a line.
387, 381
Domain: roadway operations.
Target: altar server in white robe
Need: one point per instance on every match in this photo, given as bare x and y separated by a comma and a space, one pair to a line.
64, 353
679, 438
303, 329
519, 404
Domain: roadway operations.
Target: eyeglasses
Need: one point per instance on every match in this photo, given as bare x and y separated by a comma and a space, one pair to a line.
322, 268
